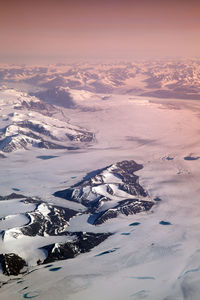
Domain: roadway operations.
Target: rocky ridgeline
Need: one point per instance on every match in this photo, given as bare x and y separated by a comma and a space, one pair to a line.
46, 220
21, 135
29, 122
109, 192
106, 194
176, 79
81, 242
36, 105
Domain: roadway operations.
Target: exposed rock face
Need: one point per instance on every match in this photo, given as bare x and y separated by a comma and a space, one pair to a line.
44, 220
29, 122
109, 192
106, 194
12, 196
82, 136
125, 207
81, 242
22, 134
12, 264
47, 219
40, 106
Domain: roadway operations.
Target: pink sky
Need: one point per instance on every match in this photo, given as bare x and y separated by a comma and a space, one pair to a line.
77, 29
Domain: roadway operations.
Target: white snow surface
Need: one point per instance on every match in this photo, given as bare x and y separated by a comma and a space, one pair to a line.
13, 130
149, 261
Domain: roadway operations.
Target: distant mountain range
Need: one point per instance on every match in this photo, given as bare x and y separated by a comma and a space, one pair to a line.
161, 78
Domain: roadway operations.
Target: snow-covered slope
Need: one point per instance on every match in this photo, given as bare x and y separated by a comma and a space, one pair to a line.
107, 194
153, 254
11, 99
42, 235
110, 192
27, 121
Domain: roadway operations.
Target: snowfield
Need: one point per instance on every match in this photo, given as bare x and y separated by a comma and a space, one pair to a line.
153, 254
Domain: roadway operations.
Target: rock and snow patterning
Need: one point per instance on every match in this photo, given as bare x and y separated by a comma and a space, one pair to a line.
27, 121
43, 237
105, 194
110, 192
25, 133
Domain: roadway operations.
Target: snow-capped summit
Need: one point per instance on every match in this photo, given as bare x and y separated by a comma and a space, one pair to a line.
110, 192
24, 123
104, 194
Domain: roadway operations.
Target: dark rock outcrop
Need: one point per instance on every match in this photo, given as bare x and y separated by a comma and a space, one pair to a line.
81, 136
12, 264
125, 207
12, 196
53, 222
80, 242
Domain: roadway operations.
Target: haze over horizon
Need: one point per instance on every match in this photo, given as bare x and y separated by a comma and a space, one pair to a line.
52, 31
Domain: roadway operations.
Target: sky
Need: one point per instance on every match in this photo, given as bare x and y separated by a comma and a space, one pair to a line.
59, 30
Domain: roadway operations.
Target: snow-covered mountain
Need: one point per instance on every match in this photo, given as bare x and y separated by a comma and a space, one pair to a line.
131, 226
104, 194
159, 78
45, 228
110, 192
15, 100
27, 121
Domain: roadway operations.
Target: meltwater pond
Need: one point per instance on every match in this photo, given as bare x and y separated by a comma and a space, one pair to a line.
107, 252
191, 157
164, 223
55, 269
45, 157
134, 224
31, 295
